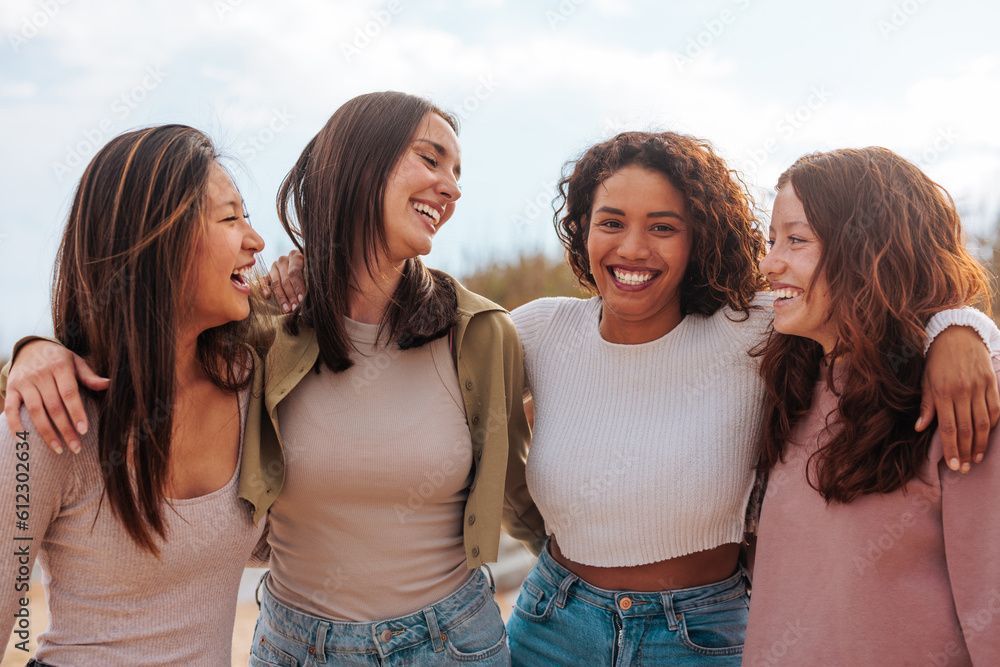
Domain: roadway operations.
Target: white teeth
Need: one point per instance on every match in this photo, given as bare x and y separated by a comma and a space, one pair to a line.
243, 274
787, 293
631, 278
427, 210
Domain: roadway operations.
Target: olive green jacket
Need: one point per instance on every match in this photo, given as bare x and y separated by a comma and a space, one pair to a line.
490, 365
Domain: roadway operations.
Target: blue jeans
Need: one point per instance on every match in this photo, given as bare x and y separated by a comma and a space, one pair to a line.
559, 619
463, 628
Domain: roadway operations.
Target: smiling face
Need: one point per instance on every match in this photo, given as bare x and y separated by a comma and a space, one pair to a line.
638, 246
422, 189
802, 307
224, 253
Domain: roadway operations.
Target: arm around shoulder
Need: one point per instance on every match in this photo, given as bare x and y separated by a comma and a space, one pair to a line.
972, 550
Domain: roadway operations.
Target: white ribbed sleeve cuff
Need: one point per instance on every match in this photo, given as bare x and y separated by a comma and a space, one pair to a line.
970, 317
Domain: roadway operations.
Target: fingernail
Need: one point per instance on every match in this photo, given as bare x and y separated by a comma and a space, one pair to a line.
81, 428
953, 464
285, 308
979, 458
56, 446
966, 467
74, 447
299, 297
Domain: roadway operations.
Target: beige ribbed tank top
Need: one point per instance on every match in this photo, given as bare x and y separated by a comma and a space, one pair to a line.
378, 463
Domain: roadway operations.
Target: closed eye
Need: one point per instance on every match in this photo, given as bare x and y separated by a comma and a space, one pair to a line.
429, 160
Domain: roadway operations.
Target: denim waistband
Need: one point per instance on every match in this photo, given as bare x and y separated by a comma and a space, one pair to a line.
638, 603
383, 637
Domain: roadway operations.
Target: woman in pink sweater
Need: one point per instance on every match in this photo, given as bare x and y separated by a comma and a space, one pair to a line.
871, 551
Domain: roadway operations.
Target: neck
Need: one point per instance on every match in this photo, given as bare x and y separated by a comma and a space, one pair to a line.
633, 332
371, 291
187, 368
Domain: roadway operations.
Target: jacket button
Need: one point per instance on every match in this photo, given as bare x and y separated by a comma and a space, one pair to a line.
475, 552
468, 385
475, 419
472, 519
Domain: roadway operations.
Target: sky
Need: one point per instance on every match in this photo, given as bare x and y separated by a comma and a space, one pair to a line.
533, 83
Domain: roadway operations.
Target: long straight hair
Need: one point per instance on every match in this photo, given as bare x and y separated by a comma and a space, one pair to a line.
893, 255
118, 287
331, 206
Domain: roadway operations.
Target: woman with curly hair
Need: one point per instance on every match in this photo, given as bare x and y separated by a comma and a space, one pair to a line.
647, 409
871, 551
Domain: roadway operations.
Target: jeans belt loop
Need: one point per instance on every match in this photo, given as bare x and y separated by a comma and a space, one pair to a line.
321, 631
489, 574
564, 587
256, 592
437, 640
669, 611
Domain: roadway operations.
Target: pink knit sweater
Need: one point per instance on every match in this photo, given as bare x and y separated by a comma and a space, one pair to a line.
891, 579
110, 602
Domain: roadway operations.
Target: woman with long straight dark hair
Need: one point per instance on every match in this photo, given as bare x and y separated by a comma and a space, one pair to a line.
144, 535
397, 396
394, 439
871, 551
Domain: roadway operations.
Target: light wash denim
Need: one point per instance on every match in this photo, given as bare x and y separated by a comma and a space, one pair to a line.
559, 619
464, 628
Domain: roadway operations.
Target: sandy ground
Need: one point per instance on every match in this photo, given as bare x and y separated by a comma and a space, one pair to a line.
246, 618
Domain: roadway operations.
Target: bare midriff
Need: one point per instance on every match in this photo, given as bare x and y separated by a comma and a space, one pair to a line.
697, 569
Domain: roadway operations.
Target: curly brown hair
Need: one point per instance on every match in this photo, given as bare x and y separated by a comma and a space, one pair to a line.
893, 255
727, 245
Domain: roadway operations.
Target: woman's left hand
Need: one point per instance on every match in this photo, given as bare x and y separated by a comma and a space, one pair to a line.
960, 387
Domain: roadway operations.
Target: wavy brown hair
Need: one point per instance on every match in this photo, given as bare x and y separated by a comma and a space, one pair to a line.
893, 255
330, 205
118, 293
726, 243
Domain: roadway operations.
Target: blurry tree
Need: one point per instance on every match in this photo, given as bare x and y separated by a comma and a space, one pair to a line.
516, 282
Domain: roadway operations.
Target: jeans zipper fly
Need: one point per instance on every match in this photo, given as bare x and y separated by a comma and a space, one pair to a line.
616, 652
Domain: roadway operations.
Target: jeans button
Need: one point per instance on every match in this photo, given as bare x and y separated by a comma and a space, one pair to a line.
625, 603
386, 635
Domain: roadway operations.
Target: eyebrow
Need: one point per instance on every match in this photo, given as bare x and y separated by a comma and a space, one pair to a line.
232, 202
443, 152
653, 214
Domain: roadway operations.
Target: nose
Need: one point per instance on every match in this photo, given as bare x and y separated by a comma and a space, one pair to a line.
772, 264
449, 188
634, 245
253, 241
